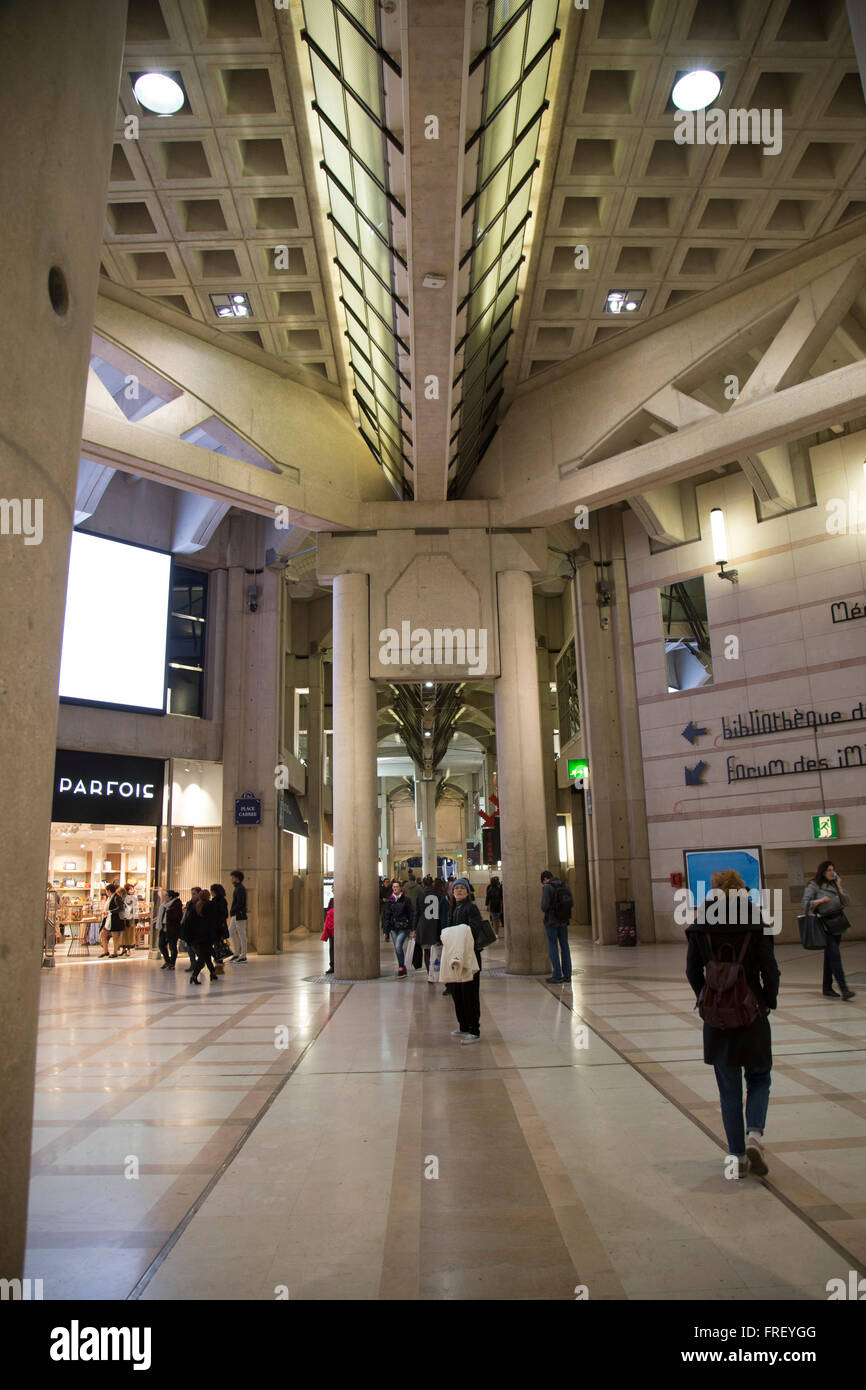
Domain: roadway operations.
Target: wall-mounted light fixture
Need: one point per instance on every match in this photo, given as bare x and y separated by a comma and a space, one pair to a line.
720, 544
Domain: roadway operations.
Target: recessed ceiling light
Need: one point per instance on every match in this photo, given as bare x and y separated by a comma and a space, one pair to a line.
696, 90
623, 300
158, 92
229, 306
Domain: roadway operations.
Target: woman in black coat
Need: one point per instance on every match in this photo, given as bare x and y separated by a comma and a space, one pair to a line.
200, 935
221, 917
735, 1050
431, 915
397, 921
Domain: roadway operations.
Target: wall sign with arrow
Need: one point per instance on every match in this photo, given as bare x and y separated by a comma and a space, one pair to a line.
694, 774
691, 732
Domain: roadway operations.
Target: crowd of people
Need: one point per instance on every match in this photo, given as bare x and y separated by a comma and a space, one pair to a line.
437, 926
209, 929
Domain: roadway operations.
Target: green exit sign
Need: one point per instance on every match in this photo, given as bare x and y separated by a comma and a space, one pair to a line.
578, 767
825, 827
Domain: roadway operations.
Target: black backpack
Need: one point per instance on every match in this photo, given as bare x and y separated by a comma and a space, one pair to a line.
727, 1000
561, 902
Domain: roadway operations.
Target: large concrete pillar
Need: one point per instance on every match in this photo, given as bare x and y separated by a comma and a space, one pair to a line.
425, 803
58, 105
356, 902
522, 815
250, 743
616, 830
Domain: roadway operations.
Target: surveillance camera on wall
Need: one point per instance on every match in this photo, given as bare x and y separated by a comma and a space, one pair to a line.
253, 597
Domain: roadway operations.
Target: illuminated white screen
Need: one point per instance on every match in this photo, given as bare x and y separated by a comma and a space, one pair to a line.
115, 626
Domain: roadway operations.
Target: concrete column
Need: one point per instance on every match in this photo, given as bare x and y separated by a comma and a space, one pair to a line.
356, 902
58, 104
425, 801
314, 794
521, 779
250, 743
616, 831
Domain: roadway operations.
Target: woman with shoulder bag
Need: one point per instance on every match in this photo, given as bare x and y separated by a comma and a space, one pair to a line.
826, 898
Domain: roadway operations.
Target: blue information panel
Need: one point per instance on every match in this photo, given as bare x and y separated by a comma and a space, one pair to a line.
703, 863
248, 809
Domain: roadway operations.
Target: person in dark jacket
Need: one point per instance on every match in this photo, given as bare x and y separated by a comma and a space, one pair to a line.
114, 922
397, 921
493, 903
733, 1051
238, 917
221, 920
431, 916
185, 921
169, 928
467, 997
557, 931
200, 933
827, 899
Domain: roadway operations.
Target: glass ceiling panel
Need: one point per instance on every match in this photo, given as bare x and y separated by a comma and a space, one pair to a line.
362, 214
510, 139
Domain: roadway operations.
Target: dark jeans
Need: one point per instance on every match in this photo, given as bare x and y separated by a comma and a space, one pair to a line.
730, 1083
168, 948
467, 1002
203, 957
557, 943
833, 964
331, 951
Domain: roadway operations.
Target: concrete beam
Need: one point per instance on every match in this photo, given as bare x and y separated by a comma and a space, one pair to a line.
93, 479
819, 310
772, 478
660, 512
815, 404
150, 454
196, 519
435, 47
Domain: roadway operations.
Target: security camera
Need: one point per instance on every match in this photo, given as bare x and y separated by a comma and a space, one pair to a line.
253, 597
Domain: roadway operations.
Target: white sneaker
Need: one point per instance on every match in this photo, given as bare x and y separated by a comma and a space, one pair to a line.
470, 1038
457, 1033
755, 1155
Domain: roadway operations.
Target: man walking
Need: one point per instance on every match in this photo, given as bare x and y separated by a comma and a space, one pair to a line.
556, 904
238, 917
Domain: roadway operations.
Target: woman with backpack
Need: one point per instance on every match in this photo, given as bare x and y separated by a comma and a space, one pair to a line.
731, 966
827, 899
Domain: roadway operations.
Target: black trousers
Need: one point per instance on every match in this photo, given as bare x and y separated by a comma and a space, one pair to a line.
203, 956
168, 948
467, 1002
833, 964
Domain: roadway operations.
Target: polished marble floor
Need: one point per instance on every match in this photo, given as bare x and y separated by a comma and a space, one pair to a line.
279, 1135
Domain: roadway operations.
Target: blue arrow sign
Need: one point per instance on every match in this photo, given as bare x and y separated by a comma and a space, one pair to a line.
691, 732
694, 774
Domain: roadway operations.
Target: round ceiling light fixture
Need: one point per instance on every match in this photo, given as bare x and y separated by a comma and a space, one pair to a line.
158, 92
696, 90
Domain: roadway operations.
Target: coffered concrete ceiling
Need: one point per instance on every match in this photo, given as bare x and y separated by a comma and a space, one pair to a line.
200, 201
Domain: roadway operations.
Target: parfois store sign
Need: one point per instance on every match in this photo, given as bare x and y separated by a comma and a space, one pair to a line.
102, 788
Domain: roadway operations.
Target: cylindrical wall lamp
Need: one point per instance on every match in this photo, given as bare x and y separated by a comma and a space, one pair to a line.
720, 544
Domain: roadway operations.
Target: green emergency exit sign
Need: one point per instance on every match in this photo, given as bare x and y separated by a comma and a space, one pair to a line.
578, 767
825, 827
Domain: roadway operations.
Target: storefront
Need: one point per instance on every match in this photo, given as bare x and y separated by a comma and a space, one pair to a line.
106, 817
